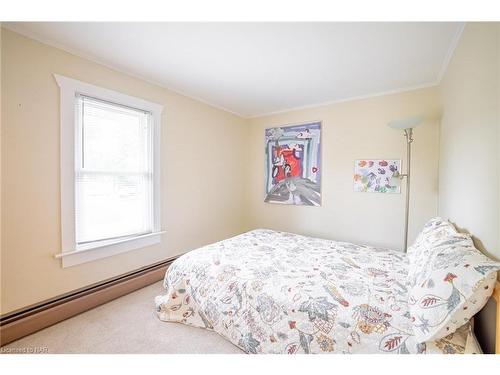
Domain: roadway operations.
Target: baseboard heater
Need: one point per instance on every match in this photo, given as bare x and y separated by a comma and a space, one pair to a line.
33, 318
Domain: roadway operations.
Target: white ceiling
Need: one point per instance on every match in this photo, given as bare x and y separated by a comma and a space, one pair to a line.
258, 68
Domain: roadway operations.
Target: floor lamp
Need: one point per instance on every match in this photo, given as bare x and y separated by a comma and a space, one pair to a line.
407, 125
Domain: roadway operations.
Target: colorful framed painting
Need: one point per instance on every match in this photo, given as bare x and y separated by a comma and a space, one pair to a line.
375, 176
293, 164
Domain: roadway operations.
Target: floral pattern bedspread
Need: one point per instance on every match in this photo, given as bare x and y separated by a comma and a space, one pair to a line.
277, 292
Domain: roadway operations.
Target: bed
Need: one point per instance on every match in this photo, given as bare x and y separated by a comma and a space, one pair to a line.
277, 292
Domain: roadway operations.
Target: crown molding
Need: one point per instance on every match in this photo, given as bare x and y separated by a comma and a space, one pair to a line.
35, 36
350, 99
451, 51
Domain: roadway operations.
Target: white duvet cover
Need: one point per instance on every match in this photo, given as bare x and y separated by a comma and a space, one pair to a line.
276, 292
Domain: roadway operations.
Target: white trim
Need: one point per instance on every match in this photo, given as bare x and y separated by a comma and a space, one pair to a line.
350, 99
84, 88
107, 243
451, 50
35, 36
69, 87
89, 255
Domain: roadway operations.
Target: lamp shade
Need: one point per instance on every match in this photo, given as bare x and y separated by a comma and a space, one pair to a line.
406, 123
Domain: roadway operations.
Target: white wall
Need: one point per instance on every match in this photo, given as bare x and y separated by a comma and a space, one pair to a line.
353, 130
469, 170
469, 147
202, 191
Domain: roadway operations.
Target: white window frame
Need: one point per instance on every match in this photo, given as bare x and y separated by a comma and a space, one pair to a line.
71, 254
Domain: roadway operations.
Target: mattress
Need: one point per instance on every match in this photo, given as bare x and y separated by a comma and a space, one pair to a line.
277, 292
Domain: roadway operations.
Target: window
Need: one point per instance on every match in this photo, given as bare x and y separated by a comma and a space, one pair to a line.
113, 174
109, 172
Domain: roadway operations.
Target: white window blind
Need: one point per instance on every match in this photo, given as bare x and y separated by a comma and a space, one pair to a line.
113, 171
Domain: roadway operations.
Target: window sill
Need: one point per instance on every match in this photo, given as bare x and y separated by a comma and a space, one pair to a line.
103, 250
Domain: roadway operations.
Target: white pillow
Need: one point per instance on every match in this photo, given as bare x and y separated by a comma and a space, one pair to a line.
434, 230
449, 280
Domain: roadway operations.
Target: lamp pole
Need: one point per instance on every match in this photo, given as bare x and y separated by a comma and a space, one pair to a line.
409, 139
407, 125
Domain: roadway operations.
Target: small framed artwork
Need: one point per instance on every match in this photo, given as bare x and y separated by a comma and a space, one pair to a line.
376, 176
293, 164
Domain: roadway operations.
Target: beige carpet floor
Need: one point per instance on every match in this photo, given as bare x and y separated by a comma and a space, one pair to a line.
125, 325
